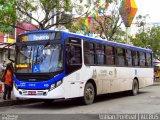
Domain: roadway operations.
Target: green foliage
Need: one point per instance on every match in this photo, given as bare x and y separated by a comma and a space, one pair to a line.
5, 28
103, 23
7, 14
141, 20
119, 36
39, 11
149, 39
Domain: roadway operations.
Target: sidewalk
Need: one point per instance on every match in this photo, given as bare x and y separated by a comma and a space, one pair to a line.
156, 82
14, 101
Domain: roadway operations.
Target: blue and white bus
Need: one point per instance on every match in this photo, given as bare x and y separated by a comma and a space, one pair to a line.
56, 64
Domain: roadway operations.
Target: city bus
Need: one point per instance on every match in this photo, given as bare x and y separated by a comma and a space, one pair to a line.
62, 65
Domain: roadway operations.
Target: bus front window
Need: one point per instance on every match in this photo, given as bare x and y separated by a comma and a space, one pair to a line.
39, 58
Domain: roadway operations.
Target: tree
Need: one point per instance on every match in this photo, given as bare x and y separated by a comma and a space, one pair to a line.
106, 20
7, 15
109, 24
119, 36
40, 12
149, 39
141, 21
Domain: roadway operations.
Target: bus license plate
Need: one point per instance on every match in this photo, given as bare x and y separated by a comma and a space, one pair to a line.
31, 92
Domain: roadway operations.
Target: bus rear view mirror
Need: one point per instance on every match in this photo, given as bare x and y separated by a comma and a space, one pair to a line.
11, 54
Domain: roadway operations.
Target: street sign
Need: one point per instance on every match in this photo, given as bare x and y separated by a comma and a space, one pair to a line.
36, 68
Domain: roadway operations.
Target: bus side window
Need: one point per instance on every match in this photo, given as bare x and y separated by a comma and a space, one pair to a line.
100, 54
110, 55
89, 54
142, 59
129, 57
135, 58
120, 57
73, 54
148, 59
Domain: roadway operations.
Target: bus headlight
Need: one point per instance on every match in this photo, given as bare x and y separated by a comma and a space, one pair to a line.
56, 84
53, 86
16, 86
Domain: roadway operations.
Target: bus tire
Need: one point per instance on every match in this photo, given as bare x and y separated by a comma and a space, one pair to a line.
89, 94
135, 87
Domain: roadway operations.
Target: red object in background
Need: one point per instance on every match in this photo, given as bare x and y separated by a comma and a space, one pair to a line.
89, 20
26, 26
1, 37
0, 88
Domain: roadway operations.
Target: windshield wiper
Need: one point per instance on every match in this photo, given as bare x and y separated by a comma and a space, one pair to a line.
37, 54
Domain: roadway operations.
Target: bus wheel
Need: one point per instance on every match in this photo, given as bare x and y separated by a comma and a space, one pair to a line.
89, 94
135, 87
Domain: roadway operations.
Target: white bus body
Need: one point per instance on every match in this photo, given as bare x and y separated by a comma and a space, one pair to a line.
104, 78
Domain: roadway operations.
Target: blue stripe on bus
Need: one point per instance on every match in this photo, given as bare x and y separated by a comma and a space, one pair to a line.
68, 34
64, 50
37, 31
105, 42
38, 85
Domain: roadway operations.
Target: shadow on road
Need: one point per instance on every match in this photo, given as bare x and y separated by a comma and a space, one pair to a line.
70, 103
118, 95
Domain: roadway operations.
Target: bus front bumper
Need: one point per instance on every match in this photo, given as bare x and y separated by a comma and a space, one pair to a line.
40, 94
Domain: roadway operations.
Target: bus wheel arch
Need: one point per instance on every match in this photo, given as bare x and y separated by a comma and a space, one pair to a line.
135, 86
90, 92
137, 80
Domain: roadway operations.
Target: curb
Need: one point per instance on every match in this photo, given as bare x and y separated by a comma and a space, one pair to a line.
156, 83
17, 102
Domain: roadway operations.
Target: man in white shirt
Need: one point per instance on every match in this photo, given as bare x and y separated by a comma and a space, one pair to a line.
2, 66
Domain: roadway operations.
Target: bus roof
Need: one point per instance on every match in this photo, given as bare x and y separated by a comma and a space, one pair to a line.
104, 41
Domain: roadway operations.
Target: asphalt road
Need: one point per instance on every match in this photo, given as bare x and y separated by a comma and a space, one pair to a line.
147, 101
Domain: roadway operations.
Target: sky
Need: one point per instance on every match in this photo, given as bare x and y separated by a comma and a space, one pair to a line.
151, 7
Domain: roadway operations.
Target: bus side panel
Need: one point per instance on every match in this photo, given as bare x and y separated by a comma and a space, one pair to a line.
107, 79
150, 77
125, 77
75, 82
145, 76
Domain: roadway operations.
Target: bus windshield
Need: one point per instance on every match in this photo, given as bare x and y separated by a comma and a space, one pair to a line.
42, 58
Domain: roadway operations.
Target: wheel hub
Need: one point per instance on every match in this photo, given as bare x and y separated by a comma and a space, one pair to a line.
89, 93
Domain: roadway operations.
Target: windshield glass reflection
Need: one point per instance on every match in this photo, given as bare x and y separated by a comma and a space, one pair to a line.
39, 58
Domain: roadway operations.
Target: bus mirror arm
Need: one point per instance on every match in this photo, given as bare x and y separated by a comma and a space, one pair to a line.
9, 52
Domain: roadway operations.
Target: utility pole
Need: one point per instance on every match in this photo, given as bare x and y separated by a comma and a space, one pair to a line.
128, 29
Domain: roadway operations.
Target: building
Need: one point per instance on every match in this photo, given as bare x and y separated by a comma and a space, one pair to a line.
5, 40
10, 38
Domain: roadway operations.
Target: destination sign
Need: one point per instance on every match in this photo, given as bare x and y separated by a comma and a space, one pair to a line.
40, 37
37, 37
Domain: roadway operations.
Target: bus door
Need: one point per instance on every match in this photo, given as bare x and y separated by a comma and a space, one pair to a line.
73, 64
73, 55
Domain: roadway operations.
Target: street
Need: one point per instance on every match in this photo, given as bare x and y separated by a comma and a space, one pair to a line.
147, 101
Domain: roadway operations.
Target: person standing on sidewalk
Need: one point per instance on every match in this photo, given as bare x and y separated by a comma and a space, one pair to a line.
3, 66
8, 81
